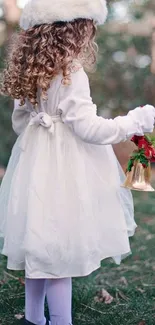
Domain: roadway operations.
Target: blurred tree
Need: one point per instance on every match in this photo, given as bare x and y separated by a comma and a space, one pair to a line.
123, 78
10, 17
11, 11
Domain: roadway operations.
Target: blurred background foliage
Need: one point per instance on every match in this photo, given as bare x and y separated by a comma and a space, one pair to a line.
124, 77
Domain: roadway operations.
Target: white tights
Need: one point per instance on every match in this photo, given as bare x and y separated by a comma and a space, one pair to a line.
59, 299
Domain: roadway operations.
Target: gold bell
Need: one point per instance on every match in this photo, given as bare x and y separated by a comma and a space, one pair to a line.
139, 178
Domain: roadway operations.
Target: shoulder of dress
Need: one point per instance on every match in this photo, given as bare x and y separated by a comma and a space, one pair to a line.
77, 80
75, 66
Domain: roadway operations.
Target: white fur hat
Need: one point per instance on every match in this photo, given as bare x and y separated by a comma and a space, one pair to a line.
38, 12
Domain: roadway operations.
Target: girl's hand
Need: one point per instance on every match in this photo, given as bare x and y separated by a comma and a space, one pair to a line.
145, 116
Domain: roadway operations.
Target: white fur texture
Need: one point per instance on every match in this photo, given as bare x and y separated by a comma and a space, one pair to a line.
49, 11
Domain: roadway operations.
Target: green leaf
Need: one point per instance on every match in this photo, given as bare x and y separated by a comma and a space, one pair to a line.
130, 165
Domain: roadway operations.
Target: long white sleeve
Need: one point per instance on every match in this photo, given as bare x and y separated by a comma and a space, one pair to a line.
20, 117
79, 113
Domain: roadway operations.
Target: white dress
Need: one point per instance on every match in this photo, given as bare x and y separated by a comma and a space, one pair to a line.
62, 208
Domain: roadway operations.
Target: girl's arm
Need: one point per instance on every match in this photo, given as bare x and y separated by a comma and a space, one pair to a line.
20, 117
79, 112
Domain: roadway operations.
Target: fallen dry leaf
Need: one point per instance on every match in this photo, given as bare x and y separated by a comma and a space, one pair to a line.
142, 248
124, 281
96, 299
147, 219
122, 295
22, 281
19, 316
149, 237
136, 258
104, 296
140, 290
2, 282
108, 299
142, 323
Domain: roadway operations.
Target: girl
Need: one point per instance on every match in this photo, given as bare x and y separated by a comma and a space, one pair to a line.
62, 209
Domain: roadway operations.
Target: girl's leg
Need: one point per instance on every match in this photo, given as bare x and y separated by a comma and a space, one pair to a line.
59, 298
35, 291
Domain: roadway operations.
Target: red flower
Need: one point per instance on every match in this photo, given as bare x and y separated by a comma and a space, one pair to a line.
148, 153
136, 139
142, 143
153, 152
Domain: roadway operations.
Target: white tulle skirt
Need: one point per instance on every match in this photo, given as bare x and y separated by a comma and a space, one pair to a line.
62, 208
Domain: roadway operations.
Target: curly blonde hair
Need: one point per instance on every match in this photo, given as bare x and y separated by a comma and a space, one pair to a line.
42, 52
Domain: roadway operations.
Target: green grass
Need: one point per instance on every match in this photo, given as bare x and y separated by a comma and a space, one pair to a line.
132, 284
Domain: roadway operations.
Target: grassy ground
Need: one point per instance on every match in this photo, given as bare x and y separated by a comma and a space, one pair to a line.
132, 284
